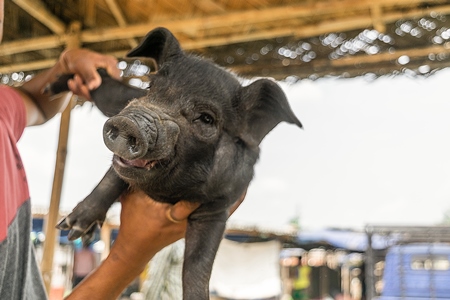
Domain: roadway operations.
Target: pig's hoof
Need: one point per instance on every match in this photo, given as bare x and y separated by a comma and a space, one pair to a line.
63, 224
88, 234
79, 227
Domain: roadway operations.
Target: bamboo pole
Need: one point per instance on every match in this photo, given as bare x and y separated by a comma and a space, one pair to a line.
105, 236
51, 233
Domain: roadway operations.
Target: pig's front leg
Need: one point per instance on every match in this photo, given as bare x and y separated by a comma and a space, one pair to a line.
92, 210
203, 237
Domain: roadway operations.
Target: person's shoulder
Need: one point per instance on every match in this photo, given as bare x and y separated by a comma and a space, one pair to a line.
10, 97
12, 109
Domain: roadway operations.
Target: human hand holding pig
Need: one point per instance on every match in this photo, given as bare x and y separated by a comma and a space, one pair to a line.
83, 64
146, 227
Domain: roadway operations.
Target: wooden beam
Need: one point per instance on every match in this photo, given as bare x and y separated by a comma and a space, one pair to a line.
89, 8
33, 44
338, 63
209, 6
43, 64
271, 16
118, 15
387, 56
53, 215
255, 16
105, 237
28, 66
155, 11
170, 6
258, 3
377, 18
37, 9
349, 62
323, 27
238, 38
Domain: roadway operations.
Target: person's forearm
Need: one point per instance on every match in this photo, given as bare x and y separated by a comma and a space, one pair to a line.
104, 283
83, 64
144, 230
34, 89
112, 276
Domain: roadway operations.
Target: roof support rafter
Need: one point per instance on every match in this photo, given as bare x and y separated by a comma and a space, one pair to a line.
38, 10
377, 19
367, 15
120, 18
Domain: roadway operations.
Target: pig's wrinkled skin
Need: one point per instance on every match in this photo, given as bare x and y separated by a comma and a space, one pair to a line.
193, 135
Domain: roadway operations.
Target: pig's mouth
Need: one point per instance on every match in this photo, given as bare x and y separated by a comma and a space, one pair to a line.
136, 163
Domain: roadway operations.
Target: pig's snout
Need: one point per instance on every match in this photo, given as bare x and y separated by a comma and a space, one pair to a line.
130, 136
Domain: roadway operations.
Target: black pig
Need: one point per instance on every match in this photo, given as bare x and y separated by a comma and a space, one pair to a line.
193, 135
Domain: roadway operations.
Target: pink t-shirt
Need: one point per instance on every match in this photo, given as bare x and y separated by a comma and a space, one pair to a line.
20, 277
13, 182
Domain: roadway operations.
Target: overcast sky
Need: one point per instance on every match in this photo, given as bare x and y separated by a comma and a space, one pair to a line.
371, 152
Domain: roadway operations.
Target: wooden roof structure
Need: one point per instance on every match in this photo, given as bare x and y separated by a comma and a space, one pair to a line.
283, 39
275, 38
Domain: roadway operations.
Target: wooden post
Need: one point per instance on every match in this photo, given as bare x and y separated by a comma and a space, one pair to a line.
369, 264
105, 236
51, 233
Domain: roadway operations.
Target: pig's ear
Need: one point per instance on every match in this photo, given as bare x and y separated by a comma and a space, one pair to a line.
263, 105
159, 44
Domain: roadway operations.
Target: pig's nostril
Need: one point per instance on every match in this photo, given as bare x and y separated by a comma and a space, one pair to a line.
124, 136
132, 144
112, 133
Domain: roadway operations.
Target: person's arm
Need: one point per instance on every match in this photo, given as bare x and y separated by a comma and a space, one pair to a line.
75, 257
81, 62
145, 229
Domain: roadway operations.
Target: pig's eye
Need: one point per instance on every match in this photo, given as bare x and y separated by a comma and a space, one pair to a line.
206, 118
205, 125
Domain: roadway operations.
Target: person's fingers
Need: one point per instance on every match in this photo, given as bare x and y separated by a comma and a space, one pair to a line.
111, 67
91, 76
77, 86
236, 205
92, 79
181, 210
85, 63
109, 63
139, 211
169, 216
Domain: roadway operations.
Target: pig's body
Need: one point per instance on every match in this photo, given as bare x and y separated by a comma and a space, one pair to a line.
193, 135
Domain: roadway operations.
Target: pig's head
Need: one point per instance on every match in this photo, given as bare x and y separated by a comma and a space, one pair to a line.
196, 134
